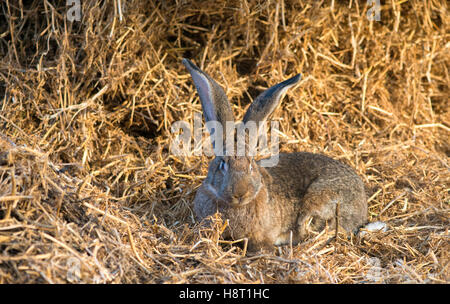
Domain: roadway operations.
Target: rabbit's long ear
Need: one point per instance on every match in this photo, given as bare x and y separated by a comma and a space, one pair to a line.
214, 101
268, 100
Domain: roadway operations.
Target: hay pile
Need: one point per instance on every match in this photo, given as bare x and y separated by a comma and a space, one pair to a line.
90, 193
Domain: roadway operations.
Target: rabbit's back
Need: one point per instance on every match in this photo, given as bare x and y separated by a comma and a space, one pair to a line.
297, 170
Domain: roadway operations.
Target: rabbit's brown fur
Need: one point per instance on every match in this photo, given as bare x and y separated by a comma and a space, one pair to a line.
274, 205
308, 187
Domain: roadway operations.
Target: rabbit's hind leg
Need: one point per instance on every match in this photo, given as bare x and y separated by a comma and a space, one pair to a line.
318, 209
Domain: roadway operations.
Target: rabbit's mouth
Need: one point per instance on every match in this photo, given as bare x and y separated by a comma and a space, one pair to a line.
239, 202
245, 200
232, 202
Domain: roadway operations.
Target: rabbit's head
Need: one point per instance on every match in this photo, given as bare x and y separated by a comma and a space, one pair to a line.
234, 179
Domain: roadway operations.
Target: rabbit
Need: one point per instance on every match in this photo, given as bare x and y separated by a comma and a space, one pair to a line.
278, 205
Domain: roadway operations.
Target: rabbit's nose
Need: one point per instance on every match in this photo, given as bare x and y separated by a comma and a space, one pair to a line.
239, 190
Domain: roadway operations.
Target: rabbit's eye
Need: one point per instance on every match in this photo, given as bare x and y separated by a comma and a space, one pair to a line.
223, 166
250, 167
